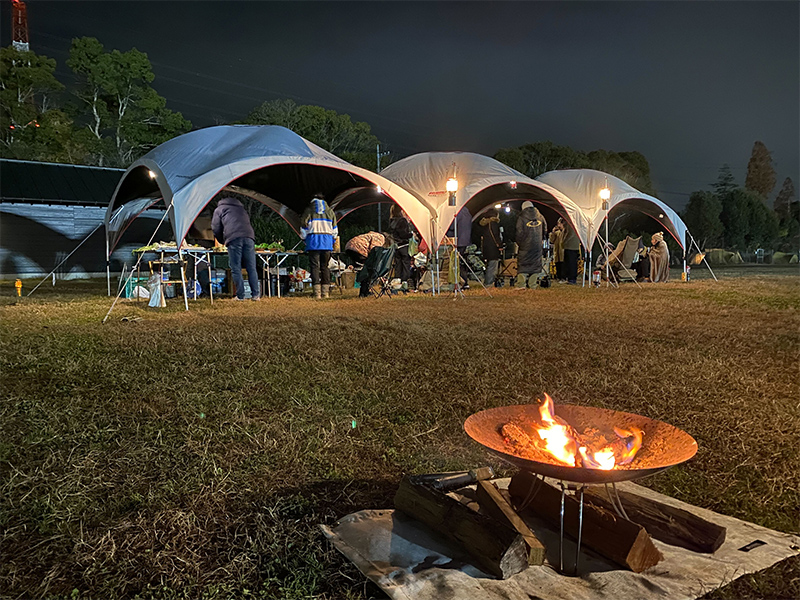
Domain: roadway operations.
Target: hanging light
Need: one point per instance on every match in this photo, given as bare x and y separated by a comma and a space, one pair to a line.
152, 174
605, 193
498, 206
379, 189
513, 184
508, 209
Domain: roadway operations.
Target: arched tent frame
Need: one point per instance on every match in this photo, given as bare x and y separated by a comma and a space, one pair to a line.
254, 160
483, 182
583, 187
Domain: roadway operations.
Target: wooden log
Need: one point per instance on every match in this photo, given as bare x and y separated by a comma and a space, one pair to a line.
496, 506
615, 538
497, 549
668, 524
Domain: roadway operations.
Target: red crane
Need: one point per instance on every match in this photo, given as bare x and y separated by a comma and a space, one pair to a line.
19, 26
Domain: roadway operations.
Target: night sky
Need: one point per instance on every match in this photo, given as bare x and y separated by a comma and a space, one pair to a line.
691, 85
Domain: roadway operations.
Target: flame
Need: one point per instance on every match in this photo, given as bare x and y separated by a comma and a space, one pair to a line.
567, 446
556, 436
632, 441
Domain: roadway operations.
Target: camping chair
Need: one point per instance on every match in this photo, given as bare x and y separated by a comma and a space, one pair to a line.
376, 274
622, 258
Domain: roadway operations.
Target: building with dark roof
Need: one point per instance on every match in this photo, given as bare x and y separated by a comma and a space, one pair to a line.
48, 209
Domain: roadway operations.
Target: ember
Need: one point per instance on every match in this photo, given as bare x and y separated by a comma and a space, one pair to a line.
555, 438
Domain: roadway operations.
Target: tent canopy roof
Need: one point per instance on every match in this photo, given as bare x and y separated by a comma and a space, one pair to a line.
583, 187
482, 182
269, 163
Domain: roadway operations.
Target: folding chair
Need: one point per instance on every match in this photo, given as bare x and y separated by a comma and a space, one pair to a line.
376, 272
621, 260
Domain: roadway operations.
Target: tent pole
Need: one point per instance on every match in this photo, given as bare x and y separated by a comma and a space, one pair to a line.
108, 266
704, 258
134, 268
183, 278
65, 260
605, 250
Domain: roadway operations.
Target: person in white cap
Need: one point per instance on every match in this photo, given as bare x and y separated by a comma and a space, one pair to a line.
530, 231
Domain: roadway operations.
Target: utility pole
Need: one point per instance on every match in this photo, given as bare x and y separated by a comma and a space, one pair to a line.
378, 155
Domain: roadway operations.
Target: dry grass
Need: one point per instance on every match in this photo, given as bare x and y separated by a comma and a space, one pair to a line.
191, 455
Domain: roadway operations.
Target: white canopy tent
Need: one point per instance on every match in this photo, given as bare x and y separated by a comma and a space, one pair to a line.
483, 182
583, 187
268, 163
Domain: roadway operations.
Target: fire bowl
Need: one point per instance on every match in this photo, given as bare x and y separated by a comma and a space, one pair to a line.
663, 445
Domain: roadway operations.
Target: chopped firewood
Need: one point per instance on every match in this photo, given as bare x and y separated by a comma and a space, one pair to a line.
668, 524
497, 549
495, 505
615, 538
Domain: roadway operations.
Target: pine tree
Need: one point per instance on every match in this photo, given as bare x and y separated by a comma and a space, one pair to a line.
760, 172
784, 199
725, 182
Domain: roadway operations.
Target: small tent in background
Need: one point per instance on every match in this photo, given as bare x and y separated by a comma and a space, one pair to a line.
720, 256
784, 258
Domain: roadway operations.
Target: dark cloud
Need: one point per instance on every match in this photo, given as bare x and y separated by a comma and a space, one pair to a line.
690, 85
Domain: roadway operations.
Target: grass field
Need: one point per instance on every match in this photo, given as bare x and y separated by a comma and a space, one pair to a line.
192, 455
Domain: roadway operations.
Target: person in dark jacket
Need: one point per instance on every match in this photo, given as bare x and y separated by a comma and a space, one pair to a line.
400, 230
530, 231
572, 247
231, 224
319, 231
491, 244
462, 225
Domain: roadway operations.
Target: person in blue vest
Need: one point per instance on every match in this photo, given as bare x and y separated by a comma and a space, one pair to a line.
231, 224
319, 231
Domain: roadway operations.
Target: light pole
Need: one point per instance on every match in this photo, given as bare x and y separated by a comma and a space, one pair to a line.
605, 195
378, 156
452, 187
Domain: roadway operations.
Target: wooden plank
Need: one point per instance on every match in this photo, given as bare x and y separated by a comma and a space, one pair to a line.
615, 538
496, 506
668, 524
497, 549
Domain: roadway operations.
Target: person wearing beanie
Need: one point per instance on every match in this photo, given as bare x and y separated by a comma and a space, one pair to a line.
659, 259
530, 231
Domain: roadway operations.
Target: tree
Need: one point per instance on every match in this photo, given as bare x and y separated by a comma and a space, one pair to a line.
749, 224
336, 133
725, 182
123, 116
702, 217
760, 172
784, 199
540, 157
27, 87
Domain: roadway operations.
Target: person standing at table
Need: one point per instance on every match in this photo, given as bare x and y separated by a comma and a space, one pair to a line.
231, 223
318, 229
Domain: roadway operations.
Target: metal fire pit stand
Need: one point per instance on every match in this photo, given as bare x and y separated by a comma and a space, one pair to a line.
578, 488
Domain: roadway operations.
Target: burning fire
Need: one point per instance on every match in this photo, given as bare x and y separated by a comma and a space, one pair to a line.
563, 443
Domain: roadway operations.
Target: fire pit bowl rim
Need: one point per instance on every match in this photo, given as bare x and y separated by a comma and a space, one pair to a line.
483, 427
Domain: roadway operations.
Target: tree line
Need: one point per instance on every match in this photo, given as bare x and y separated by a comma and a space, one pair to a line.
740, 217
111, 115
